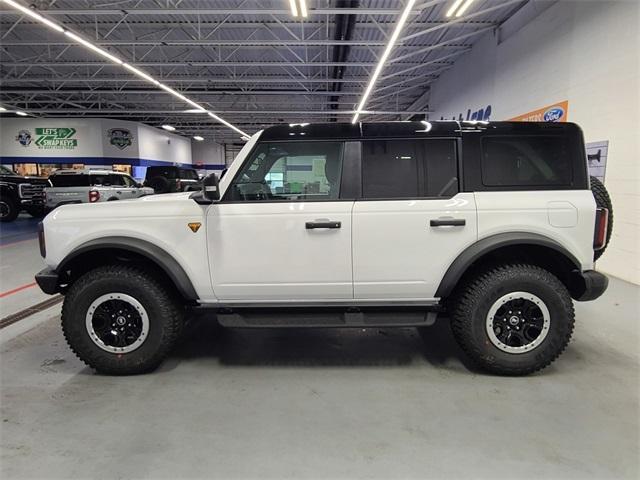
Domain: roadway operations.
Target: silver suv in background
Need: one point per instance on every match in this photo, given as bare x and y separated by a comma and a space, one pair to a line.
90, 186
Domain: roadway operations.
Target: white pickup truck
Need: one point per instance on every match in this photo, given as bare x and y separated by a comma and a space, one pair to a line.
91, 186
337, 225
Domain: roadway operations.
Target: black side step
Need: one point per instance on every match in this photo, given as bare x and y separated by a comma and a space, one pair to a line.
305, 318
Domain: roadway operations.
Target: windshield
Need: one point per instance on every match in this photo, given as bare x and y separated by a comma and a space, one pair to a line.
6, 171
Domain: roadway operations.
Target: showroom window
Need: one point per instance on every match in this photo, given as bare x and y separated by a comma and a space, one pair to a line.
395, 169
526, 161
290, 171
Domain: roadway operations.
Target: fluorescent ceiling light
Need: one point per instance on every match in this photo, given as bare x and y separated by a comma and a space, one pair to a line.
22, 114
140, 73
303, 8
114, 59
93, 47
454, 7
198, 138
32, 14
169, 128
464, 7
383, 58
294, 8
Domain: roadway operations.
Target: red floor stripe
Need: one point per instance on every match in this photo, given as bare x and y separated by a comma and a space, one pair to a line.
18, 242
16, 290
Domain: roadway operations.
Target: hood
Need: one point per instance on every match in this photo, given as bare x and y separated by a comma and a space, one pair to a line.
164, 205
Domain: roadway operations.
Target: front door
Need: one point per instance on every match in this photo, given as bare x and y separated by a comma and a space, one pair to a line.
411, 222
282, 232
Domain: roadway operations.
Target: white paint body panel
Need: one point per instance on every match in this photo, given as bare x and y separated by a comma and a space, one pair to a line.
159, 219
547, 213
262, 251
397, 254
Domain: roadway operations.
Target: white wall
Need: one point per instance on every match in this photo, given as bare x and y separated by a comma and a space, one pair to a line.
92, 140
583, 52
163, 146
207, 153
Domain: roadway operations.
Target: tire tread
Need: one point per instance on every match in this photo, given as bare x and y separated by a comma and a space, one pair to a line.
463, 307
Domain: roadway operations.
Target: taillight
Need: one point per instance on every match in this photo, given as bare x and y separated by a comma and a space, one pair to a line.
602, 222
94, 196
43, 247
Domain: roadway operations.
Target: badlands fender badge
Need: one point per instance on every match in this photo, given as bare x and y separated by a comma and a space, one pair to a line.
194, 226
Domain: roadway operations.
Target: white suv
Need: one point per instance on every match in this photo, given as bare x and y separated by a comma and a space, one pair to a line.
91, 186
339, 225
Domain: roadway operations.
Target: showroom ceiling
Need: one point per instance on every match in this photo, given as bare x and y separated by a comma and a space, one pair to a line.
251, 62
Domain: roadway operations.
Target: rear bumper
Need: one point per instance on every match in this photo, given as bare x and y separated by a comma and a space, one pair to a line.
47, 280
588, 285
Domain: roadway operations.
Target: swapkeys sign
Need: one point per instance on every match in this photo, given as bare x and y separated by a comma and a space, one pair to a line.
558, 112
56, 138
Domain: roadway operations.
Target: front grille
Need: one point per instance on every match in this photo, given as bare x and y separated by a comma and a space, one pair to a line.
31, 192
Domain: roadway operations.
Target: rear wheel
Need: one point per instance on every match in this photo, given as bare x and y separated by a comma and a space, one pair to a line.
120, 320
8, 209
514, 319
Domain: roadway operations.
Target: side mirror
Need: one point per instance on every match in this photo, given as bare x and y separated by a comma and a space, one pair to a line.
210, 188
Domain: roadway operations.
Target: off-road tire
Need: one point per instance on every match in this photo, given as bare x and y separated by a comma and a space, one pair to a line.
159, 185
602, 201
13, 209
165, 312
470, 307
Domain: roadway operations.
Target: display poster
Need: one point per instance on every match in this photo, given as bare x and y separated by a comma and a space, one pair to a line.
597, 158
557, 112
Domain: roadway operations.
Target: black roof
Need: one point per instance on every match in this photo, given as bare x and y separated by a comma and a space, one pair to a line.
349, 131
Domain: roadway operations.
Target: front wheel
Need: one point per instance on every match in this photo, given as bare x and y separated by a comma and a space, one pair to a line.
514, 319
119, 320
9, 209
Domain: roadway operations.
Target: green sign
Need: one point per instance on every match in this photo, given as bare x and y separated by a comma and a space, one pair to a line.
56, 138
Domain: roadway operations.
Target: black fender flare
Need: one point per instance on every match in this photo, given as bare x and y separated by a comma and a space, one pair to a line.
486, 245
148, 250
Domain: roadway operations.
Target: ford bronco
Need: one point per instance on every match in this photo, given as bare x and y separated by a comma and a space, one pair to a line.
337, 225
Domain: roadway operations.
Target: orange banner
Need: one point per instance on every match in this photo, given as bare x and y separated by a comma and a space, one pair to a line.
557, 112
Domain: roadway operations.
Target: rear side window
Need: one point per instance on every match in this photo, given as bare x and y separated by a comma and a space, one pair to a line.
526, 161
72, 180
167, 172
409, 168
188, 174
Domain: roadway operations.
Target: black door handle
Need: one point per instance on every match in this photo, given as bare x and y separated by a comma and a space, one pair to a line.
448, 222
322, 224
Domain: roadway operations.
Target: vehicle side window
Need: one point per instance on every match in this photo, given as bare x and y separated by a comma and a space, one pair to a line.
409, 168
526, 161
117, 180
188, 174
290, 171
440, 168
128, 181
72, 180
389, 169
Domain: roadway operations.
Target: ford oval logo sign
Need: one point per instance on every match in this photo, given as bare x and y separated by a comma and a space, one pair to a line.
554, 114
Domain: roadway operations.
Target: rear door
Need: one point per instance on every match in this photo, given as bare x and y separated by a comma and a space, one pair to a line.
412, 221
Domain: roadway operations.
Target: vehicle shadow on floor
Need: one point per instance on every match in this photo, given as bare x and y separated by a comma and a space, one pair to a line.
320, 347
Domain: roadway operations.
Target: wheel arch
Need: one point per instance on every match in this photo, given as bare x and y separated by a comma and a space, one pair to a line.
514, 247
110, 249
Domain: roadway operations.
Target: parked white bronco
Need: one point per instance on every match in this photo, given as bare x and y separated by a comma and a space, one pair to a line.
339, 225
